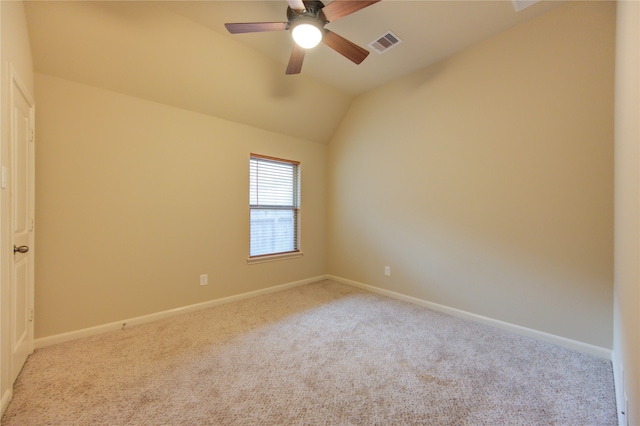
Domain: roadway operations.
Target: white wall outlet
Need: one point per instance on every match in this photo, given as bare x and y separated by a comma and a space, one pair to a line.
204, 279
387, 271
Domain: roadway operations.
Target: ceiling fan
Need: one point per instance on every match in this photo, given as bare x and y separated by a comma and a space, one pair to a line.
306, 20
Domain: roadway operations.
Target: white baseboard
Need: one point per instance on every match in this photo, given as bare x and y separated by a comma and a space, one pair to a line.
6, 399
619, 387
550, 338
86, 332
540, 335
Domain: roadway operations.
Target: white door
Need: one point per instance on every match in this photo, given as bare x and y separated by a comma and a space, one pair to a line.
21, 186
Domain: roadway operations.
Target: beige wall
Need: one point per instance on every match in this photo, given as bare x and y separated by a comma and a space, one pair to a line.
137, 199
626, 339
485, 181
15, 50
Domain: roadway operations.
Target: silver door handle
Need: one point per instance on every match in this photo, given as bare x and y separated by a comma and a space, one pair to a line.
21, 249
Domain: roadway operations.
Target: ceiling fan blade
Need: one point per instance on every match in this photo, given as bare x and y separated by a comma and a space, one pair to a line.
296, 5
340, 8
295, 61
256, 27
344, 47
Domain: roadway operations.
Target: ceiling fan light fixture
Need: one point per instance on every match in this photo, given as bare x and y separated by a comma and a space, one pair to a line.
306, 19
307, 34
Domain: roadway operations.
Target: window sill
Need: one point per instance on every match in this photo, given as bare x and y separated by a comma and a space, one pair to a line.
273, 257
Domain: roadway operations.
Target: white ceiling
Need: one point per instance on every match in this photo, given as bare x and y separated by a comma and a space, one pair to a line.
179, 53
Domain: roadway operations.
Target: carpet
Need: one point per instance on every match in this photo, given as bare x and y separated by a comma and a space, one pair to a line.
319, 354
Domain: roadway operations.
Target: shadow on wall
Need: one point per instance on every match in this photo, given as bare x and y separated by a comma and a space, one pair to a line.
486, 181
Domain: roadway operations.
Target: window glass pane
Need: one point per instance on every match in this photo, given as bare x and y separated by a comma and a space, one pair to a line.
272, 231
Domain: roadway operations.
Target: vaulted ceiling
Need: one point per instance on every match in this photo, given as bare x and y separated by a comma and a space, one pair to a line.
179, 53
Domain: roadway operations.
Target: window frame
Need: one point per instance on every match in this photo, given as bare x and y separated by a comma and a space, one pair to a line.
296, 208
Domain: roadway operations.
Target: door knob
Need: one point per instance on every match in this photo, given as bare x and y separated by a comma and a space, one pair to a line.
21, 249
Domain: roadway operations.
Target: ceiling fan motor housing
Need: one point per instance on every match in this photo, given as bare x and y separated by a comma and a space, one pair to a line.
313, 11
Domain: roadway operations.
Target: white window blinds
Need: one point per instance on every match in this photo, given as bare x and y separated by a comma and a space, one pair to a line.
274, 203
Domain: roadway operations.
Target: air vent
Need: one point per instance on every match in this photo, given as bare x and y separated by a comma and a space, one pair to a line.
518, 5
385, 42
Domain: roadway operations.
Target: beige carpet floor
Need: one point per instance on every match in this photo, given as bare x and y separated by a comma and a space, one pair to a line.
319, 354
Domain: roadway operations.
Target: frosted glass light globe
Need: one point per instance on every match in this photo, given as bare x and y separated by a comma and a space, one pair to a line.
306, 35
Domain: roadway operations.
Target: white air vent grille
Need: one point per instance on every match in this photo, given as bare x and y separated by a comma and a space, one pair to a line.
385, 42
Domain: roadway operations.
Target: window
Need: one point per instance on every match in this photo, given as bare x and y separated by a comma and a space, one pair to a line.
274, 203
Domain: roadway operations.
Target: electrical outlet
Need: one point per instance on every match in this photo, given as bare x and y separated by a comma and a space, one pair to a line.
204, 279
387, 271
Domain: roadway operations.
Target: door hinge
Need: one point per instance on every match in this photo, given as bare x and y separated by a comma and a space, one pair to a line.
32, 225
32, 135
31, 316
